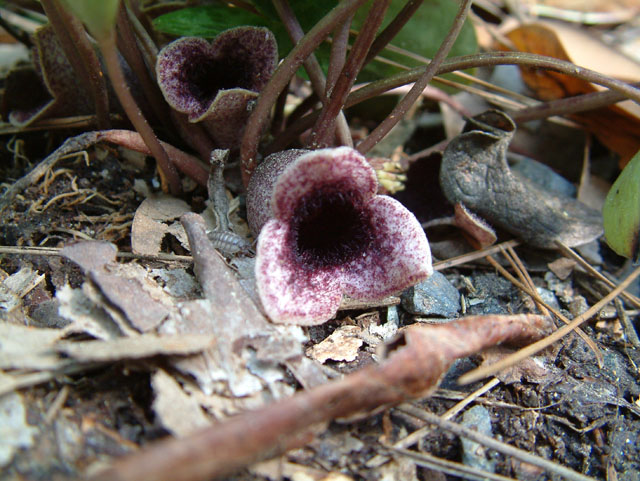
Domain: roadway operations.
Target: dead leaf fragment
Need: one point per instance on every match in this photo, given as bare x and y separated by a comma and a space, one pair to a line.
16, 286
120, 285
154, 219
15, 432
342, 345
23, 347
177, 411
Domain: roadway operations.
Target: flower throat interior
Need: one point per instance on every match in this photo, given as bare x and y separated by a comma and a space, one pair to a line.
330, 227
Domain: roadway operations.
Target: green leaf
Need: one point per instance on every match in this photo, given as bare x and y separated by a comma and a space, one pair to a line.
422, 35
98, 15
207, 21
621, 212
308, 12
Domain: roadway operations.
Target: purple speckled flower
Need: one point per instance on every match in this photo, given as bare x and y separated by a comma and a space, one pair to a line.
214, 82
325, 232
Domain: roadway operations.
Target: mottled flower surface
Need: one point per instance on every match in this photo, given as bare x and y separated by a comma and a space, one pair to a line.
214, 82
325, 232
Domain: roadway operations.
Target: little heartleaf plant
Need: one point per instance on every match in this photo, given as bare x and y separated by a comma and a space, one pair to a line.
621, 212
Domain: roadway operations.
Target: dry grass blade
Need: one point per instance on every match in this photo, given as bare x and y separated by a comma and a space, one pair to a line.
415, 436
591, 270
524, 276
55, 251
504, 448
534, 294
532, 349
472, 256
450, 467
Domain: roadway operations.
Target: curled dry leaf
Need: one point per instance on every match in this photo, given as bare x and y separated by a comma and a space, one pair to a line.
412, 367
475, 172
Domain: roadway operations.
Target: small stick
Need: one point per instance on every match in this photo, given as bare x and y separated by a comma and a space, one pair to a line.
415, 436
449, 467
534, 294
472, 256
590, 269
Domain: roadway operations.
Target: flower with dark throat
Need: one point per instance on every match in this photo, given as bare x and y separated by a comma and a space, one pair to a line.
323, 232
216, 82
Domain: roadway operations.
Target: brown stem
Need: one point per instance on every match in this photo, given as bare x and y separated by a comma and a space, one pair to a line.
408, 100
619, 90
279, 121
82, 56
128, 46
412, 369
322, 134
167, 171
281, 78
569, 105
339, 46
491, 59
185, 163
392, 29
311, 65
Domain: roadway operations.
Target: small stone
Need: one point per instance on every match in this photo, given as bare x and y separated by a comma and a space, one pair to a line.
474, 454
435, 296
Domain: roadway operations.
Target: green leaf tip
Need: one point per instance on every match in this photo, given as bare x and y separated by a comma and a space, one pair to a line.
621, 212
98, 16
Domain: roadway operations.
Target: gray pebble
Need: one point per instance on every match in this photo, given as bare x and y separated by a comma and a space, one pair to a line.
474, 454
435, 296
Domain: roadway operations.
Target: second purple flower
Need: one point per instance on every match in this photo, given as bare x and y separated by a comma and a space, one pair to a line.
215, 82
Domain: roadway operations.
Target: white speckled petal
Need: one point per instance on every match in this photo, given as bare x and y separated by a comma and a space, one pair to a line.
398, 258
289, 293
342, 166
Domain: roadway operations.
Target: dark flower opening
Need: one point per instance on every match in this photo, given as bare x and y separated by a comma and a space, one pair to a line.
330, 228
205, 77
